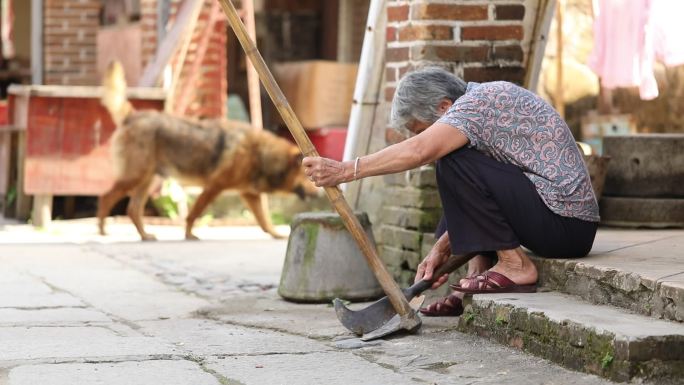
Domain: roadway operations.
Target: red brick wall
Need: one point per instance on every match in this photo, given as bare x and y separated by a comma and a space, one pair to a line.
70, 38
209, 90
479, 40
70, 33
148, 28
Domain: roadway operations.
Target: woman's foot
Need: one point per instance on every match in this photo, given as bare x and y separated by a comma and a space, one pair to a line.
478, 265
514, 272
450, 306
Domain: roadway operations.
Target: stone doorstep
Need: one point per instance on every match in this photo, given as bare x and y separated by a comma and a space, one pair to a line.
602, 340
611, 286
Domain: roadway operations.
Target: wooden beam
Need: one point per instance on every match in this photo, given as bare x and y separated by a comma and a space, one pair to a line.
559, 97
188, 11
37, 41
535, 57
253, 86
367, 91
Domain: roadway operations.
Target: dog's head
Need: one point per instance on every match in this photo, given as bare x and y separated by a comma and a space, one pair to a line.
282, 168
296, 181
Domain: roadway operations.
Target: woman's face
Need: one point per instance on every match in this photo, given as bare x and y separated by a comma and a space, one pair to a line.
416, 126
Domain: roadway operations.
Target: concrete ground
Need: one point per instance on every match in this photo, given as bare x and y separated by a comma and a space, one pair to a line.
77, 308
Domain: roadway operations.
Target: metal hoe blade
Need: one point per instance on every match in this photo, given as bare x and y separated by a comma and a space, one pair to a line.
379, 317
368, 319
376, 320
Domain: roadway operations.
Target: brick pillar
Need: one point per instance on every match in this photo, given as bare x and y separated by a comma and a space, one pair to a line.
70, 39
148, 30
479, 40
211, 88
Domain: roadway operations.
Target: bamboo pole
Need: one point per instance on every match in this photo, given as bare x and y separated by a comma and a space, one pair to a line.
386, 281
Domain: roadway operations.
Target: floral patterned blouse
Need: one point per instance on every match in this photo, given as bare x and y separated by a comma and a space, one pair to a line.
513, 125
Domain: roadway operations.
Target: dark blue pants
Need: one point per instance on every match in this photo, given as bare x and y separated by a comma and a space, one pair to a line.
489, 206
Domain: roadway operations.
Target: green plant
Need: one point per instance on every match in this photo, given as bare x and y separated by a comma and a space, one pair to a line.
11, 195
607, 360
279, 219
468, 317
166, 206
500, 320
205, 220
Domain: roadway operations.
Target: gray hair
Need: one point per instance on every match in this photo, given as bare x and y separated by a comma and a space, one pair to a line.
419, 93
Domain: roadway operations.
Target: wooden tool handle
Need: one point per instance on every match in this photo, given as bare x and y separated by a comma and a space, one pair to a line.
334, 194
451, 264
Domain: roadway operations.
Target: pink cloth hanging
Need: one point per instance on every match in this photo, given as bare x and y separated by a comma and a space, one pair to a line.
622, 54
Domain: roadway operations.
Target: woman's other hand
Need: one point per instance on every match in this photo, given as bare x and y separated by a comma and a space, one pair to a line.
437, 256
326, 172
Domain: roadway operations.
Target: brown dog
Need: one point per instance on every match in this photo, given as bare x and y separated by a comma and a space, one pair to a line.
214, 154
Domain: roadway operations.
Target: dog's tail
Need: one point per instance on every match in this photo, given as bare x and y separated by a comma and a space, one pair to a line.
114, 95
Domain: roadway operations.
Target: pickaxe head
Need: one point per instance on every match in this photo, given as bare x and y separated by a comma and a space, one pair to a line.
379, 319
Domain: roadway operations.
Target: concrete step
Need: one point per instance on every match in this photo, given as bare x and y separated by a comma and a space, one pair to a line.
639, 270
602, 340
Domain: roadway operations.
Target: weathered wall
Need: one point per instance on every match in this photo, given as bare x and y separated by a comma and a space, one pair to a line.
209, 91
70, 30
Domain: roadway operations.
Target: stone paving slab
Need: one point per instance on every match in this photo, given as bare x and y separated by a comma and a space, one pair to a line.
23, 291
21, 344
109, 285
330, 368
206, 337
269, 311
603, 340
166, 372
207, 268
59, 316
454, 358
642, 271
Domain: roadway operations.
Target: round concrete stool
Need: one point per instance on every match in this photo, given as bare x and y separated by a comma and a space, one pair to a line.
324, 262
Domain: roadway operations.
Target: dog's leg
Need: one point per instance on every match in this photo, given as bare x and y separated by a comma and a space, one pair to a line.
136, 206
203, 200
109, 199
255, 203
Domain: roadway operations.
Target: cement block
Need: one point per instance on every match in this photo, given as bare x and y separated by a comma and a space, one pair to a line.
323, 261
645, 165
642, 212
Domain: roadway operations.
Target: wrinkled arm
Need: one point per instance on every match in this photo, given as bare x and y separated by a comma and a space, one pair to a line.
426, 147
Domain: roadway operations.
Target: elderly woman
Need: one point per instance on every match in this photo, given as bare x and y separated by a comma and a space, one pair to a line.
509, 174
